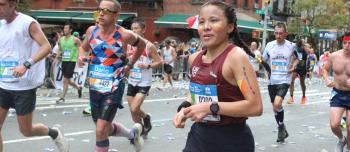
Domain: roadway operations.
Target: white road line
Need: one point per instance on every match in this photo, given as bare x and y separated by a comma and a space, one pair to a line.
54, 106
46, 137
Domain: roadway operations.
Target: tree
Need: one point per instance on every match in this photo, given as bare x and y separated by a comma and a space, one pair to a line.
311, 15
24, 6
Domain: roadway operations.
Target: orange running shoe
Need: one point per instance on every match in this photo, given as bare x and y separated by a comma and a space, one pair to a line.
303, 100
290, 101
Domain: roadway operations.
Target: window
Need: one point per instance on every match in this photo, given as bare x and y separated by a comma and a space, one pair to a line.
245, 3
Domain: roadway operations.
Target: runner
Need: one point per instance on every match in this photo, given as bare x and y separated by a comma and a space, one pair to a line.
67, 52
311, 61
300, 71
255, 60
340, 63
168, 55
223, 86
140, 78
107, 43
22, 70
283, 61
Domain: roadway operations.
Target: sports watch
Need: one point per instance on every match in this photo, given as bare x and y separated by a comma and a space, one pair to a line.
27, 64
214, 108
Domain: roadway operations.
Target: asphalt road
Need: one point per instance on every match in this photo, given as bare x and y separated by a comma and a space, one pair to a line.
308, 125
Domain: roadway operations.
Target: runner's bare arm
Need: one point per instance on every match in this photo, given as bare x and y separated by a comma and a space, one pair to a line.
245, 78
133, 39
152, 50
85, 48
325, 71
37, 34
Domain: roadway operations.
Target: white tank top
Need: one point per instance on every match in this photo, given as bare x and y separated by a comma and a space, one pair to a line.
17, 46
137, 76
279, 57
168, 56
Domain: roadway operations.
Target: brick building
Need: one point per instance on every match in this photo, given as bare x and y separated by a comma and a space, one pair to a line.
163, 17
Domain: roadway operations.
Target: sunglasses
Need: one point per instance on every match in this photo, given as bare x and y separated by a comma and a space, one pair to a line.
105, 11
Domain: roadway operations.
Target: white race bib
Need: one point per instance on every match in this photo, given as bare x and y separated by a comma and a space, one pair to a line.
6, 72
66, 54
135, 75
205, 93
279, 67
101, 78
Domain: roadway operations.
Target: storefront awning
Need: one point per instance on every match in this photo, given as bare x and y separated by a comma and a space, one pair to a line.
51, 16
173, 20
179, 21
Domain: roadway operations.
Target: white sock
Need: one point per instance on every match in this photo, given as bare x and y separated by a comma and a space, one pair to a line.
123, 131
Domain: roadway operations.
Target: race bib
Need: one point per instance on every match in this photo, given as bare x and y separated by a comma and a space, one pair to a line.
204, 93
101, 78
6, 72
66, 54
135, 74
279, 67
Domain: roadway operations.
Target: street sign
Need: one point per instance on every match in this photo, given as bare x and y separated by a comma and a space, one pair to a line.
259, 11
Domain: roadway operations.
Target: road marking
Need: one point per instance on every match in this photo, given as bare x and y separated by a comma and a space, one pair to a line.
54, 106
46, 137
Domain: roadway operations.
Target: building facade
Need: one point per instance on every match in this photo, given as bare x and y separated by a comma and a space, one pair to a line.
163, 18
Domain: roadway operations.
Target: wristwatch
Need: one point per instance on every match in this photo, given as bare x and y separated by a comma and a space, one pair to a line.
27, 64
214, 108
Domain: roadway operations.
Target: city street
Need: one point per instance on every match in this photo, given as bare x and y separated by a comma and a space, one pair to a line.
308, 125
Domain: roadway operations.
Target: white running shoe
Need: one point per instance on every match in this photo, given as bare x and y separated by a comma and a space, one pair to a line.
340, 145
61, 141
137, 141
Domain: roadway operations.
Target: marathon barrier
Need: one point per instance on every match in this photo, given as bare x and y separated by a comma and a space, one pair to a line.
79, 75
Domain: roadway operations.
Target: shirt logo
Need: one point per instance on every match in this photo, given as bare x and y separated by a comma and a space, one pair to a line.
195, 70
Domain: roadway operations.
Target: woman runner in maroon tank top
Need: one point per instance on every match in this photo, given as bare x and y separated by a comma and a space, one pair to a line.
223, 88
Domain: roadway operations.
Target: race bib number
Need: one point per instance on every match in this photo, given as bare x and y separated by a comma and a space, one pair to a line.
279, 67
6, 72
135, 74
66, 54
205, 93
101, 78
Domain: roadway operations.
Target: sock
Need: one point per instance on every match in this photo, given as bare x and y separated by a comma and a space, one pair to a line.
121, 130
53, 133
102, 146
279, 117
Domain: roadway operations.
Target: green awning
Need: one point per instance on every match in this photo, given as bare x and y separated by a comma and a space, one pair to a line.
51, 16
173, 20
179, 21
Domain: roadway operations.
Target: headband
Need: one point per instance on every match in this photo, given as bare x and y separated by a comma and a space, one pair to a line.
346, 38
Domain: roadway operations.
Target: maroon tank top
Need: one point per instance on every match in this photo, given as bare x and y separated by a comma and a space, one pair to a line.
211, 73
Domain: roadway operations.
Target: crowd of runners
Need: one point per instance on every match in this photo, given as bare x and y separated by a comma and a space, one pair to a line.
222, 72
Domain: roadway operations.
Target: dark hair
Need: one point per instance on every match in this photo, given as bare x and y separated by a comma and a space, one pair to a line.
346, 34
167, 42
117, 5
69, 24
230, 14
140, 22
281, 25
300, 42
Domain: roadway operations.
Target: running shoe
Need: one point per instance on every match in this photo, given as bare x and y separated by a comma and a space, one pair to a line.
147, 126
290, 101
340, 145
137, 141
60, 100
282, 134
60, 141
303, 100
87, 111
